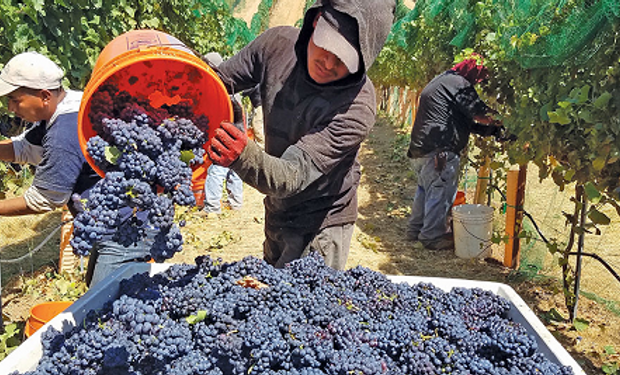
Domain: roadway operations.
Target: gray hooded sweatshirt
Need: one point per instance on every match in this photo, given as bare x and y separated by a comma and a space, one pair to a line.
309, 170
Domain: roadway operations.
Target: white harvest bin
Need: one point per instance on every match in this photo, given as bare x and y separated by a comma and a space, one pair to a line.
27, 355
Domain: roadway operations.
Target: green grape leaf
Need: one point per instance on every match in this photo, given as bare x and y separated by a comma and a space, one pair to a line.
581, 324
598, 217
568, 176
592, 192
553, 315
610, 368
152, 23
609, 349
586, 116
544, 112
599, 163
112, 154
558, 118
602, 101
584, 94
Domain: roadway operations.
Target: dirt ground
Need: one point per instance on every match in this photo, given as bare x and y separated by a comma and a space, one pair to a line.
378, 243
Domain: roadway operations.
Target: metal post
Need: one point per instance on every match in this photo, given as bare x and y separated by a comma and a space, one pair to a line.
580, 245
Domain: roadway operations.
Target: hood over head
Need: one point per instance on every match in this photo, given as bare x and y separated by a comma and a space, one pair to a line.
373, 20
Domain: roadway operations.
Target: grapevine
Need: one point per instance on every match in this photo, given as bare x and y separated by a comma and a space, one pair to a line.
147, 154
247, 317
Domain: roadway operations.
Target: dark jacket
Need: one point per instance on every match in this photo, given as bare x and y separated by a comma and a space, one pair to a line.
313, 133
445, 116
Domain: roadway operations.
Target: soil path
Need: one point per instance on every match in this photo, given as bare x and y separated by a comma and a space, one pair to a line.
286, 12
246, 10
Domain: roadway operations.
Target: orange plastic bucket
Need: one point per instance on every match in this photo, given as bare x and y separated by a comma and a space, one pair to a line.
459, 199
43, 313
154, 65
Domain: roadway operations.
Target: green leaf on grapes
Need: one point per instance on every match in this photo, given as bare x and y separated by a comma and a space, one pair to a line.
112, 154
199, 317
187, 156
152, 23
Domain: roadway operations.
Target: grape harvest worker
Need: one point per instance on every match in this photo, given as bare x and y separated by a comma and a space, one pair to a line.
318, 105
449, 110
32, 84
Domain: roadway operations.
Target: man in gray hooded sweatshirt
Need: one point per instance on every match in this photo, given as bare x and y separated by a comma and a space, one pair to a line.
318, 107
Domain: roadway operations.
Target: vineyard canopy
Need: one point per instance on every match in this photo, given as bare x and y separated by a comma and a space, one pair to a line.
534, 33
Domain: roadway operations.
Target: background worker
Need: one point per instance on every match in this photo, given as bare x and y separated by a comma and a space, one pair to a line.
449, 110
318, 107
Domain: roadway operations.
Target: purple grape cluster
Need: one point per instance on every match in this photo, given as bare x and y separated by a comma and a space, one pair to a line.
247, 317
147, 155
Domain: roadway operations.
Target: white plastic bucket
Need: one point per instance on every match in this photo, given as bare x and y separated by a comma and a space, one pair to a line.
472, 227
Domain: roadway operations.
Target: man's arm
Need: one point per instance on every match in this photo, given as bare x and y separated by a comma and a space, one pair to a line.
278, 177
15, 207
7, 152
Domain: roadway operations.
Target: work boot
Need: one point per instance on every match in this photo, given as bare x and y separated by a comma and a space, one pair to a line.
441, 243
411, 235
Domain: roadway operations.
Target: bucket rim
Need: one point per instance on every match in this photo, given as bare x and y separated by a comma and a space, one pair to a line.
125, 60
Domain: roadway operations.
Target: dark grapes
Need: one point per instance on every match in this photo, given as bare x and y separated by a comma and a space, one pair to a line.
249, 318
143, 151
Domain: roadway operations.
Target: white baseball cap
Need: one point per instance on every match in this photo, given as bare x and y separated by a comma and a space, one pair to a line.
32, 70
330, 39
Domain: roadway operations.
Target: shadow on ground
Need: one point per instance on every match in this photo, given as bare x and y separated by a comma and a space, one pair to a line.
47, 255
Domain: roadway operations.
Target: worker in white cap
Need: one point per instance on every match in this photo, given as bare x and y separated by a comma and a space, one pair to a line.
32, 84
319, 106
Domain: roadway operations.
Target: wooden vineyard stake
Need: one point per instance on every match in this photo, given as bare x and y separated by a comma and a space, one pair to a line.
515, 197
483, 182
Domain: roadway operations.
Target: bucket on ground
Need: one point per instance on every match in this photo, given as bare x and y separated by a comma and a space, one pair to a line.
473, 228
43, 313
154, 65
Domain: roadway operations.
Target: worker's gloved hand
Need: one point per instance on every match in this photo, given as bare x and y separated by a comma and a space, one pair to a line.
227, 144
